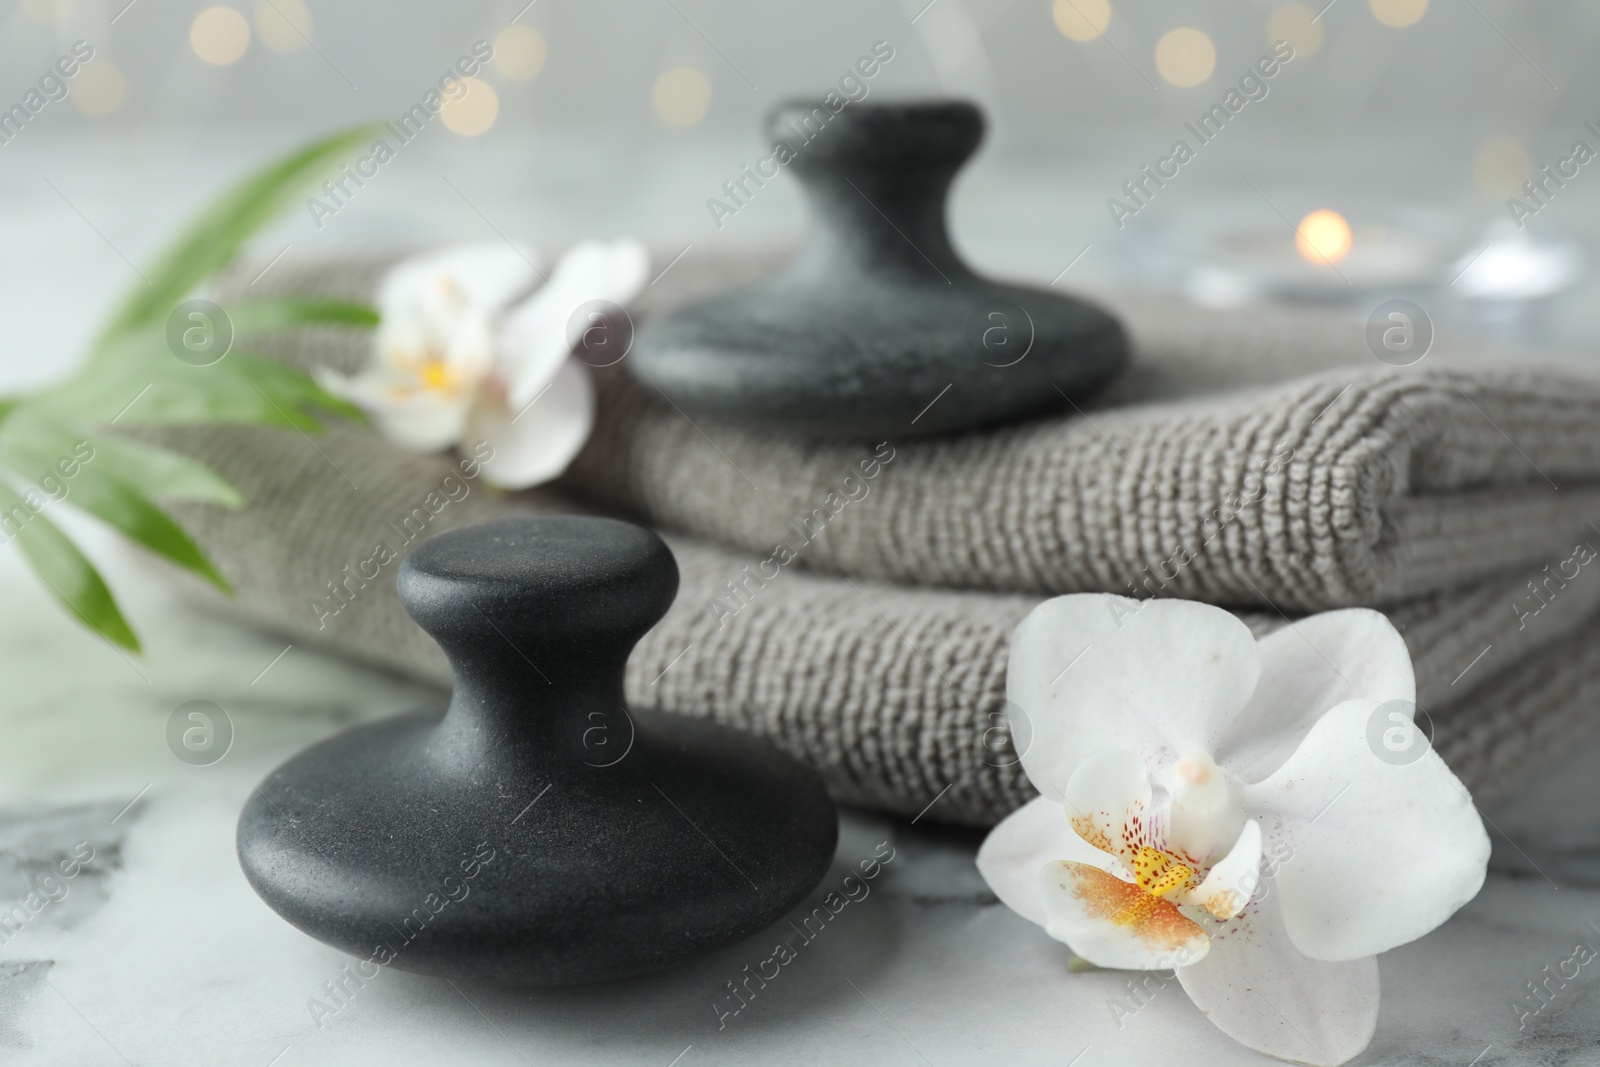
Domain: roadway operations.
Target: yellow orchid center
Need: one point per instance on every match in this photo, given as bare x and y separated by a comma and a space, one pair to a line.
436, 375
1167, 856
427, 372
1142, 903
1159, 873
1156, 874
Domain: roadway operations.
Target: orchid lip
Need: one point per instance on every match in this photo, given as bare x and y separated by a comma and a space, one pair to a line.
1166, 849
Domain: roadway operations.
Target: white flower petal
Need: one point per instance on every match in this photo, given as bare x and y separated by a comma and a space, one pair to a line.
1307, 668
360, 389
488, 275
466, 341
424, 425
420, 421
1259, 990
1159, 677
1383, 851
1113, 923
1107, 794
1234, 879
533, 444
534, 339
1016, 850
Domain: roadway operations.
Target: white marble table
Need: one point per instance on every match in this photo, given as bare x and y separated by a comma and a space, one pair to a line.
157, 951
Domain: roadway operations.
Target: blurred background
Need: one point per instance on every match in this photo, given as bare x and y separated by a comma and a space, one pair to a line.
1411, 122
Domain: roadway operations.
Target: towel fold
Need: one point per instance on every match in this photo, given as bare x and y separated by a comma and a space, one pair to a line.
1249, 457
1256, 457
1421, 490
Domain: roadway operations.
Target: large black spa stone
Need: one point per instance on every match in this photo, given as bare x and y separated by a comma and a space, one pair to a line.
878, 318
538, 831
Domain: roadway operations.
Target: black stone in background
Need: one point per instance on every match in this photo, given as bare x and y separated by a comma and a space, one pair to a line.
539, 831
878, 318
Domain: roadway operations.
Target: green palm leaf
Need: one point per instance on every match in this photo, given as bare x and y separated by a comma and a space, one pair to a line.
141, 521
214, 238
64, 569
134, 376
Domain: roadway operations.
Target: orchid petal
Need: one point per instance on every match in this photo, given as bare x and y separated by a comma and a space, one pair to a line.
488, 274
418, 421
1262, 992
1108, 795
1014, 852
1114, 923
1383, 850
362, 389
1307, 668
426, 425
1230, 884
437, 310
534, 337
534, 444
1092, 672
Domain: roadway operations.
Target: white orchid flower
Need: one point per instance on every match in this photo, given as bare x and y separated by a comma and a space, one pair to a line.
1176, 754
456, 361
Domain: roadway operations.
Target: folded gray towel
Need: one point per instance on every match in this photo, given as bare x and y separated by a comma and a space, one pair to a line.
1271, 446
896, 693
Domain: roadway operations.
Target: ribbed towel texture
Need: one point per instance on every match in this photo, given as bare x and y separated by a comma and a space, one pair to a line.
1260, 459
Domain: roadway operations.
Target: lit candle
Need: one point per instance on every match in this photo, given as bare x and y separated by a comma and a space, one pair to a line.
1321, 259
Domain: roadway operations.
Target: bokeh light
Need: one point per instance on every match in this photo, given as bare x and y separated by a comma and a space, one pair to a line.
1501, 165
1185, 57
1398, 13
219, 35
1323, 237
284, 25
1296, 24
99, 89
519, 52
682, 96
474, 111
1082, 20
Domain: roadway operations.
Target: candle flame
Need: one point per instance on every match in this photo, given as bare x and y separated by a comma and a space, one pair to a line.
1323, 237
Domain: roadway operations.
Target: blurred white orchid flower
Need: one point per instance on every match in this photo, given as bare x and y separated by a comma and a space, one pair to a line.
1176, 755
456, 360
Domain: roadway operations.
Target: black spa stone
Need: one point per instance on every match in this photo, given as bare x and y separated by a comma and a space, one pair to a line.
538, 831
878, 318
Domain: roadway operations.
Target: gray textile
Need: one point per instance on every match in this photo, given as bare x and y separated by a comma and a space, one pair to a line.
1402, 482
894, 692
